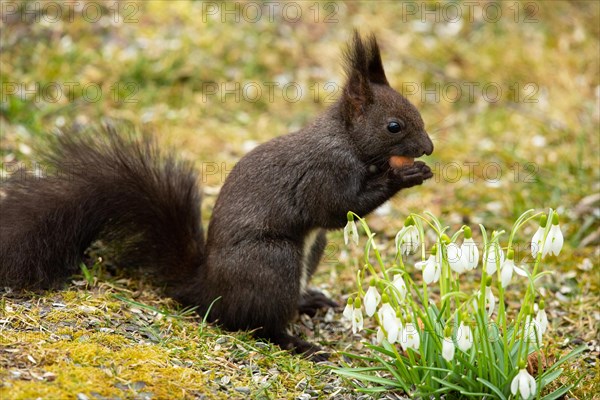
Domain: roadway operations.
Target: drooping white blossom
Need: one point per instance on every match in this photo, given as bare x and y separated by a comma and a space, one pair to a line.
431, 270
456, 258
554, 240
350, 230
507, 268
464, 337
541, 318
371, 300
536, 241
408, 240
470, 253
493, 256
349, 309
532, 330
448, 349
524, 384
400, 286
357, 320
391, 324
490, 300
409, 337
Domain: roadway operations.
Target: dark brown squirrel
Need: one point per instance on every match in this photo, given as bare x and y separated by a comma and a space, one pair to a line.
267, 231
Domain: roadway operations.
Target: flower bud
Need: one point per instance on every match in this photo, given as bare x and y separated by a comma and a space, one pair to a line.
445, 239
350, 216
468, 233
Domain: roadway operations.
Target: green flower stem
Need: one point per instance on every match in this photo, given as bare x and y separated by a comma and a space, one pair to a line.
531, 288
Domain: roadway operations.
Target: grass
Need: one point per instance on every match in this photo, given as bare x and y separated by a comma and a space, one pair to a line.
156, 67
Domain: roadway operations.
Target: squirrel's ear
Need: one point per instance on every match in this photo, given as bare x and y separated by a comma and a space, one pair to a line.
357, 91
375, 66
363, 66
356, 96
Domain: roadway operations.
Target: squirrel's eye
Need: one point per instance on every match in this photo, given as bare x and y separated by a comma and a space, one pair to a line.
395, 126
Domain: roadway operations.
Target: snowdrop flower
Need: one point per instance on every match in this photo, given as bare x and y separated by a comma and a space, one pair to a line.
349, 309
431, 267
372, 299
554, 240
357, 317
469, 250
491, 258
408, 240
507, 268
400, 286
350, 230
380, 335
538, 237
410, 338
464, 338
389, 321
448, 349
541, 318
490, 300
456, 258
524, 384
532, 330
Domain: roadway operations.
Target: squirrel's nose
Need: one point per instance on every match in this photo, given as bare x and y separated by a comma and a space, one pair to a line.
427, 144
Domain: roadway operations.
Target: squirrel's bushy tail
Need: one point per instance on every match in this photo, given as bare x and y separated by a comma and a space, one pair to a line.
101, 185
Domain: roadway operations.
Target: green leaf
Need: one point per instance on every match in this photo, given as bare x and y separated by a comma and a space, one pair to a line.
447, 384
548, 378
558, 393
493, 388
351, 373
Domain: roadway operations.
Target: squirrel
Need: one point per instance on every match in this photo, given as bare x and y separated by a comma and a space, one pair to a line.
267, 231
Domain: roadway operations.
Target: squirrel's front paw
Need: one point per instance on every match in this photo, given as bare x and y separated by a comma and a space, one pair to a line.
413, 175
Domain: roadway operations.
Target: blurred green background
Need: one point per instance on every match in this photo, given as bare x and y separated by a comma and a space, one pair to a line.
509, 92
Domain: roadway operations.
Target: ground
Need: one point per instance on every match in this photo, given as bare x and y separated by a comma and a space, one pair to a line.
509, 93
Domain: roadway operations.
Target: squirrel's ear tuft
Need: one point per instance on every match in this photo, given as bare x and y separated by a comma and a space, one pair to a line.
374, 65
362, 64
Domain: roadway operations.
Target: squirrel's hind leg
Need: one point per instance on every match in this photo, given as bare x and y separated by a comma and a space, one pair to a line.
313, 300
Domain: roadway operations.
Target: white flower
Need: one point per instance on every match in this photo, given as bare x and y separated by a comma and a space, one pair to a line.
491, 258
456, 258
542, 320
490, 300
554, 241
448, 349
464, 338
533, 331
371, 300
506, 271
349, 309
380, 335
470, 253
407, 240
524, 384
536, 241
357, 320
409, 337
400, 286
389, 321
350, 230
431, 269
